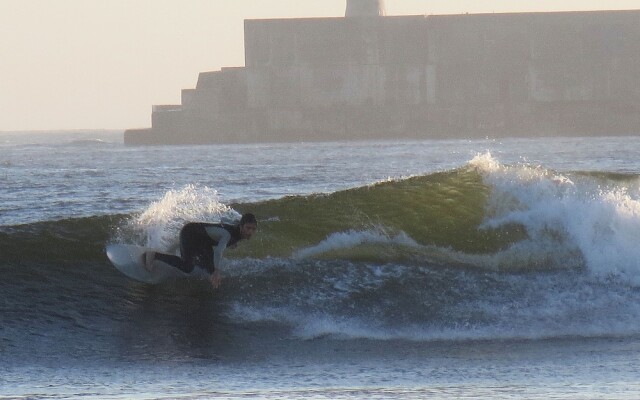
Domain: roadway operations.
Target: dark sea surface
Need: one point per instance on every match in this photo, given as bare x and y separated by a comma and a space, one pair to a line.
500, 269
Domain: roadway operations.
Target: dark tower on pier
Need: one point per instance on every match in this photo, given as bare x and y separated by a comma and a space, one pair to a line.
365, 8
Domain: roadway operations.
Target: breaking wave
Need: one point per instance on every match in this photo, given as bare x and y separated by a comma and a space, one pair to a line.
481, 252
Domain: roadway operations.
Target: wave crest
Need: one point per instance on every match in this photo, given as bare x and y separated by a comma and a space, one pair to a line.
484, 215
593, 216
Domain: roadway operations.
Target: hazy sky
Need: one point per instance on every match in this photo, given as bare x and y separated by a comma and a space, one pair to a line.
72, 64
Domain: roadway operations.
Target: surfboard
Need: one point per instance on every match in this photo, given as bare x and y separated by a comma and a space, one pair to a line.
128, 259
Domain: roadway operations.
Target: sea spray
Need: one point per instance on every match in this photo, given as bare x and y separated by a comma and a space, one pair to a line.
158, 226
594, 218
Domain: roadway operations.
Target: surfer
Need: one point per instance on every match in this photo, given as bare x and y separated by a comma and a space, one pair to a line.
196, 241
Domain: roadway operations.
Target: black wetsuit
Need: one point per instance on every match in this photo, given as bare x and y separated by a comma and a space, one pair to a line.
196, 246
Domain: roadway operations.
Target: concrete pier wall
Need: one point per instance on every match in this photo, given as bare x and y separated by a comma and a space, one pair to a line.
459, 76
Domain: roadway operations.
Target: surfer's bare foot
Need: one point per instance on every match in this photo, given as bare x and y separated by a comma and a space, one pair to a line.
149, 256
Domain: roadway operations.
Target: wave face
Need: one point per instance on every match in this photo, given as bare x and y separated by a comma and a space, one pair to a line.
481, 252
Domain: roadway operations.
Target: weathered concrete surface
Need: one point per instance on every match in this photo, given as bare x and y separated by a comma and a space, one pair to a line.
533, 74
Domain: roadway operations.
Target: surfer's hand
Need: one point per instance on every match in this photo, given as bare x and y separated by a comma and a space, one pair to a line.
215, 279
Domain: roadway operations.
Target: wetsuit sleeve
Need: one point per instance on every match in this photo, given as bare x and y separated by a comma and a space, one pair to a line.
222, 236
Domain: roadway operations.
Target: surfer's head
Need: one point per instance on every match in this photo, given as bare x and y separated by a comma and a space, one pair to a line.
248, 225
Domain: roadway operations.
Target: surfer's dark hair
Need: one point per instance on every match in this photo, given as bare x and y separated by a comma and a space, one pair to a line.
248, 218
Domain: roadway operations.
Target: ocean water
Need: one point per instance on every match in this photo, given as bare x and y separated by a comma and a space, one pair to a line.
501, 269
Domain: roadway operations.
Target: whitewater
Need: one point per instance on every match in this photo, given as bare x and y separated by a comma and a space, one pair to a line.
443, 269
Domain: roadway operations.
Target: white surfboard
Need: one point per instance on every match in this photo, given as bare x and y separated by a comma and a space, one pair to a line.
128, 259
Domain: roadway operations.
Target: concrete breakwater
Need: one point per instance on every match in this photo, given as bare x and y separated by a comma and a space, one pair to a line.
446, 76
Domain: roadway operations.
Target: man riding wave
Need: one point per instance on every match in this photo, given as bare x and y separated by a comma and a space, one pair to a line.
197, 239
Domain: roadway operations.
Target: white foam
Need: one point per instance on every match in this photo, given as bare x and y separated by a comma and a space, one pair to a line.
353, 238
565, 320
159, 225
597, 219
528, 307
